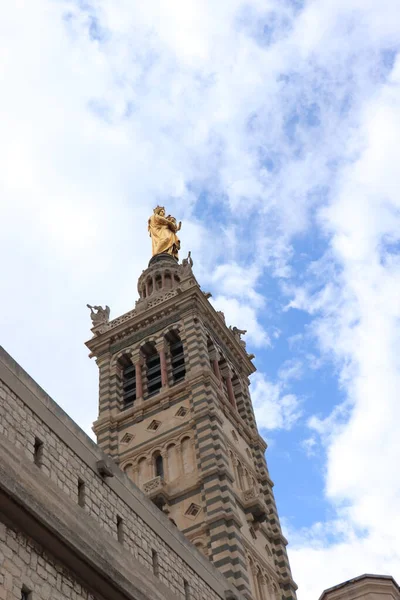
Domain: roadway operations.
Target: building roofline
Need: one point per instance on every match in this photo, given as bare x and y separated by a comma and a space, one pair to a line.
359, 578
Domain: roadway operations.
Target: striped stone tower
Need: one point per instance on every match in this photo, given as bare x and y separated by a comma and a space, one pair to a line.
176, 414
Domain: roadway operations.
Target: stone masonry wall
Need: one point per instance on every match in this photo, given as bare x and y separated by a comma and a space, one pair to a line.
185, 572
25, 565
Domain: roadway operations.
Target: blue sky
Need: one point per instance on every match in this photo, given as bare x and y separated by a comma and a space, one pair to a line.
270, 128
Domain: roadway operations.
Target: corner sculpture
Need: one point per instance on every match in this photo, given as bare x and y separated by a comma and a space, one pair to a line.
163, 231
101, 316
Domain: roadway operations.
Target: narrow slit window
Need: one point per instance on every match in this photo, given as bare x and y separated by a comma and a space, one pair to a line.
154, 556
186, 589
81, 493
26, 594
120, 530
38, 452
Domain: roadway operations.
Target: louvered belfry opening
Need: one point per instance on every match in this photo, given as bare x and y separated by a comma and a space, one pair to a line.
153, 370
177, 357
128, 381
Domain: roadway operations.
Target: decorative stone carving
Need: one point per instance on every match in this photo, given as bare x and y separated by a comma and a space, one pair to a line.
238, 335
122, 319
101, 316
154, 485
105, 468
188, 262
161, 298
250, 494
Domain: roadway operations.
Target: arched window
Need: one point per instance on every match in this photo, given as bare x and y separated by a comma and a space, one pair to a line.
128, 469
232, 463
252, 576
177, 357
187, 455
275, 593
211, 352
201, 547
167, 281
153, 369
248, 480
237, 390
128, 376
172, 463
158, 465
142, 471
150, 285
260, 585
240, 476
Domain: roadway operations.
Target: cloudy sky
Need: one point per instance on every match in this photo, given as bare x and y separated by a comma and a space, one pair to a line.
271, 128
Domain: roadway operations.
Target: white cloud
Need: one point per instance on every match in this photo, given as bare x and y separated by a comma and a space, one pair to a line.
244, 316
291, 369
358, 325
175, 101
273, 406
309, 445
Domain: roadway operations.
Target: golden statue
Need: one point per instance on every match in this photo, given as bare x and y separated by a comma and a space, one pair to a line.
162, 231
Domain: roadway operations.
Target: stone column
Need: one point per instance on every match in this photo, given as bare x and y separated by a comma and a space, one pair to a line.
163, 363
229, 387
137, 360
217, 372
164, 456
249, 480
139, 382
147, 289
215, 364
179, 459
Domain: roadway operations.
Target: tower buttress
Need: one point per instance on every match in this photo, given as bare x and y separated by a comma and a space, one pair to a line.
176, 414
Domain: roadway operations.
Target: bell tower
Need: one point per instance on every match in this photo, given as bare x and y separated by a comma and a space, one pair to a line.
175, 412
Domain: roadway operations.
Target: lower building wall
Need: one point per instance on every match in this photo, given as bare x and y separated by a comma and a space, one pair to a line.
25, 566
40, 497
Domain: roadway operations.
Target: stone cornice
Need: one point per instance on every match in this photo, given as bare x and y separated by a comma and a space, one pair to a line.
187, 300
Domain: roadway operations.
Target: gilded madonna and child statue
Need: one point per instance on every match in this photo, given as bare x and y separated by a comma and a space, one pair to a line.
163, 232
